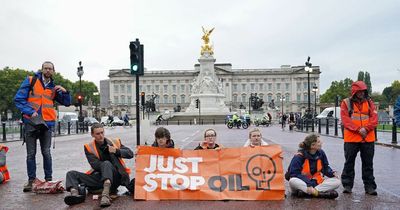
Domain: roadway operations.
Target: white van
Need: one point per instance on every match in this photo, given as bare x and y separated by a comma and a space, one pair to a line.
330, 114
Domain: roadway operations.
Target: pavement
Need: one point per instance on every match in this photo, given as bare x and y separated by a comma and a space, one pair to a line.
68, 154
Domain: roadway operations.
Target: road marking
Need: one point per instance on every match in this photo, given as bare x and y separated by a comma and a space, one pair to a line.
191, 137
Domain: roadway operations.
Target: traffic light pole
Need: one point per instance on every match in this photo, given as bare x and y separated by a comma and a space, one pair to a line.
137, 112
199, 112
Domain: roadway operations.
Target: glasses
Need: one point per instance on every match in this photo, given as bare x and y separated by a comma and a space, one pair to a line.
212, 135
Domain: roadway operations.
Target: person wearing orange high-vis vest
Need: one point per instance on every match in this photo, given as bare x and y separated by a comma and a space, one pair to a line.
309, 173
4, 174
108, 169
359, 119
35, 99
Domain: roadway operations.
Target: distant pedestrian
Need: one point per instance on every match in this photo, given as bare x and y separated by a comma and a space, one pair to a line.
35, 99
309, 172
4, 173
359, 119
396, 112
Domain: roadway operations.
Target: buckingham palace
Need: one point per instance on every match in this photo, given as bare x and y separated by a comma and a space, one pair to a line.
172, 87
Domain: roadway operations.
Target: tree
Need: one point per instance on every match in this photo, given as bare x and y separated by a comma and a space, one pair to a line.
341, 89
11, 79
367, 80
360, 76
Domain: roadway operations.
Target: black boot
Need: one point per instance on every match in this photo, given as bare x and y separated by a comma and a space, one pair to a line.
328, 194
74, 198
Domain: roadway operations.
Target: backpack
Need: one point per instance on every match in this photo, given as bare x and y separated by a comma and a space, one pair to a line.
287, 174
34, 78
349, 104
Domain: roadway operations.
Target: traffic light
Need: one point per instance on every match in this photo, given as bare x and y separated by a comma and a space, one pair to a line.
136, 56
142, 95
79, 99
197, 103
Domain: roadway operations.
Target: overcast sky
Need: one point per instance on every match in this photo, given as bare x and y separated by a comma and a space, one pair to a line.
341, 36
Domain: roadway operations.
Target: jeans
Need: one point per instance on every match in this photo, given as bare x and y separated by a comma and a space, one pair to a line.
44, 136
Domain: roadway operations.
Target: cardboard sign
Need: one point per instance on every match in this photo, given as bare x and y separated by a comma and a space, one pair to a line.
232, 173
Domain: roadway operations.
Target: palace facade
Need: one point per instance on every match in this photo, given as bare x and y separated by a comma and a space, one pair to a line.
173, 87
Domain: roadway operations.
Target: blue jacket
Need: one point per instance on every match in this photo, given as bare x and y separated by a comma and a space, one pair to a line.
396, 111
21, 98
296, 166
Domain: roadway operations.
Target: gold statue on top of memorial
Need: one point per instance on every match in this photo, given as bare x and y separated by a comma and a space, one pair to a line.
206, 48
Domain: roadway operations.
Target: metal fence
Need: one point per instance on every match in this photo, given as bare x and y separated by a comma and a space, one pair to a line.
14, 130
333, 127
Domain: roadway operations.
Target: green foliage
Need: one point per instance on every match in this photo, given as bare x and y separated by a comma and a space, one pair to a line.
11, 79
341, 88
367, 80
360, 76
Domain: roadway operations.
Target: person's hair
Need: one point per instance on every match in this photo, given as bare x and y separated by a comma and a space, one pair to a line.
308, 141
210, 129
254, 130
162, 132
49, 62
95, 126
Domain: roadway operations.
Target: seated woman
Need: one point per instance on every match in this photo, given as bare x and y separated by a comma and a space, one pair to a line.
307, 169
255, 138
210, 138
163, 138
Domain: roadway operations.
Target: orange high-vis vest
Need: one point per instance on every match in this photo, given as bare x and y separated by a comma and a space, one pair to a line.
3, 169
40, 97
360, 117
91, 148
307, 171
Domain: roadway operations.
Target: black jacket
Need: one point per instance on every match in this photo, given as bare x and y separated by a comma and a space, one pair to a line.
123, 152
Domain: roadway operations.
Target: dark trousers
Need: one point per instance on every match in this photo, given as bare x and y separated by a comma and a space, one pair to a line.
367, 155
95, 180
44, 136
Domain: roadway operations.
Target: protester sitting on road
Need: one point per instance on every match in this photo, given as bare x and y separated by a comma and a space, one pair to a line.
108, 169
110, 119
4, 174
307, 169
210, 137
163, 138
255, 138
126, 119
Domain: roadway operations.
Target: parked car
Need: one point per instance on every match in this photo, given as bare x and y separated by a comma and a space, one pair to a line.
69, 117
329, 113
90, 120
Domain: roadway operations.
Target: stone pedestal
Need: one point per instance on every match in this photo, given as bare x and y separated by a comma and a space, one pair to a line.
208, 89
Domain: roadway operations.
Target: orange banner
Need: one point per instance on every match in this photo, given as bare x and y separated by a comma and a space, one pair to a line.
228, 174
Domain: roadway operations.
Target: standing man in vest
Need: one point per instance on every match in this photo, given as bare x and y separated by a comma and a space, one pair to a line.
359, 118
108, 169
35, 99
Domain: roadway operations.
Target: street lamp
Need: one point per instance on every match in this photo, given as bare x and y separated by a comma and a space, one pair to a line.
309, 70
282, 99
315, 89
80, 73
95, 94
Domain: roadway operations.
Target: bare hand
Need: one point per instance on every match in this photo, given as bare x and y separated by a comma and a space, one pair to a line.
59, 87
335, 174
35, 114
363, 132
112, 149
310, 190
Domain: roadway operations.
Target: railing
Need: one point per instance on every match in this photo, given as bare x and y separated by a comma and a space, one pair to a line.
14, 130
332, 127
191, 122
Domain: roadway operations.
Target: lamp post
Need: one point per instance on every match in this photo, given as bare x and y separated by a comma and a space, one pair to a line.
315, 90
80, 74
95, 94
282, 99
309, 70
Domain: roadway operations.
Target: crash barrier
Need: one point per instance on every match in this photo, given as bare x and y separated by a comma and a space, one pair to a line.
14, 130
228, 174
